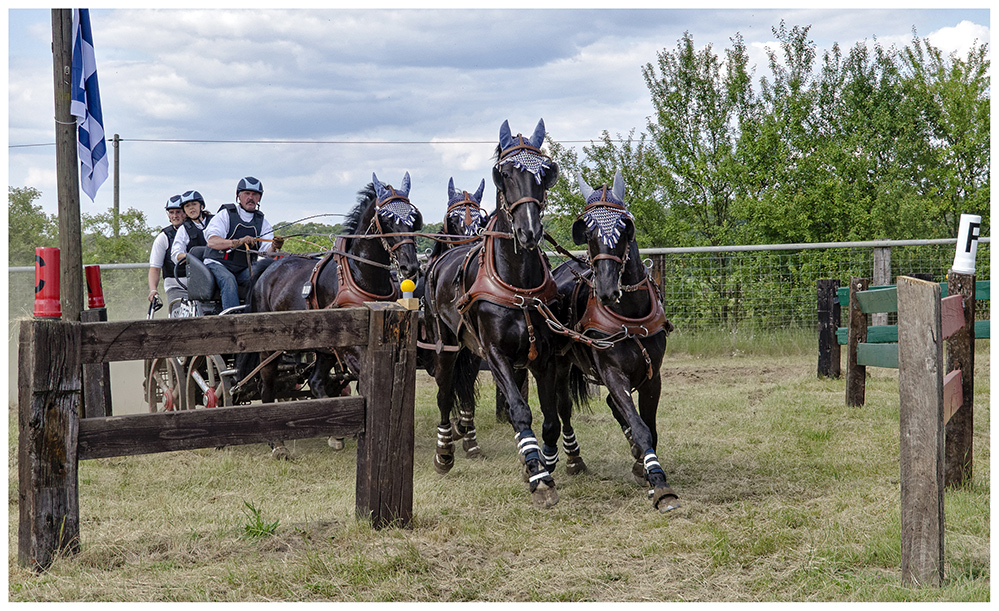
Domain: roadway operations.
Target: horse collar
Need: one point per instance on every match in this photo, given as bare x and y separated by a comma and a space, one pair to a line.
602, 318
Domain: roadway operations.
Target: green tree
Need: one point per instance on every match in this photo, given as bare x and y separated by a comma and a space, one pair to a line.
27, 226
135, 237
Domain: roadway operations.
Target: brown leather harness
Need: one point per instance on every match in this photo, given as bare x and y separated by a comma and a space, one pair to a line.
349, 293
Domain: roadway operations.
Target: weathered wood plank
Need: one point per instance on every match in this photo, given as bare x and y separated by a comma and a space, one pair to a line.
885, 334
959, 433
983, 289
384, 492
208, 428
951, 315
299, 330
878, 300
856, 374
953, 395
921, 431
49, 402
828, 323
983, 329
96, 376
878, 355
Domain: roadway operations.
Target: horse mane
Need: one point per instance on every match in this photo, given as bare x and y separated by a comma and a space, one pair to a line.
365, 198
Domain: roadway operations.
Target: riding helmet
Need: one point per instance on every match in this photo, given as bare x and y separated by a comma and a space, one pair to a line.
192, 196
174, 203
250, 184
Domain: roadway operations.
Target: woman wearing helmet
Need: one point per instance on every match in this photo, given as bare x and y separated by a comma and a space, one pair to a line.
160, 260
231, 235
192, 232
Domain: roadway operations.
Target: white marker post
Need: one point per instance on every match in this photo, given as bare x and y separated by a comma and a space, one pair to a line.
967, 244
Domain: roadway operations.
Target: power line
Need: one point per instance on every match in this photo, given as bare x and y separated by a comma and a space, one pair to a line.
393, 142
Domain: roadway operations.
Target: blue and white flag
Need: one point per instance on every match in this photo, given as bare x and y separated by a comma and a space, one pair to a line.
86, 107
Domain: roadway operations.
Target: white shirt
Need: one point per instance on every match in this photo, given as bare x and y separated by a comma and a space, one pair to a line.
219, 226
156, 255
181, 240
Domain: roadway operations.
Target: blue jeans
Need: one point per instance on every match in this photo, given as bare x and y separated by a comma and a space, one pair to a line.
229, 283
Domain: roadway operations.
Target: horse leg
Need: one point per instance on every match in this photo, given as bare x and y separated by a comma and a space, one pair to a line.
268, 379
540, 483
556, 406
466, 369
642, 444
663, 497
574, 463
444, 376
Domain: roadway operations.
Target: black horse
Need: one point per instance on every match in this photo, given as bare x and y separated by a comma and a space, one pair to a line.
484, 297
365, 259
463, 220
615, 305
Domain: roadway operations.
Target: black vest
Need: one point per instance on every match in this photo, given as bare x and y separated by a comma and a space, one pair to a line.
235, 260
195, 234
171, 233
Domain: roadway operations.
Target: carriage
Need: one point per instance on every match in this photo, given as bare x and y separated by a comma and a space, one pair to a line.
212, 380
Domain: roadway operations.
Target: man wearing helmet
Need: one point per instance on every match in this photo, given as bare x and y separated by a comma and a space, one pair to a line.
232, 234
160, 260
192, 232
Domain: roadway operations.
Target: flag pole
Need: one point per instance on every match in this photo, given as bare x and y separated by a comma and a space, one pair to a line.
67, 169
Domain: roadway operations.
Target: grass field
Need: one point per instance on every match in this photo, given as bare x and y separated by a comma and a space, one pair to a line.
787, 495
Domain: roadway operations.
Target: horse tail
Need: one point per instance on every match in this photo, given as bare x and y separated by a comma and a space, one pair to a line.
465, 380
579, 390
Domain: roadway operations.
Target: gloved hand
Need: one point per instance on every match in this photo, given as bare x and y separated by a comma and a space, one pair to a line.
277, 243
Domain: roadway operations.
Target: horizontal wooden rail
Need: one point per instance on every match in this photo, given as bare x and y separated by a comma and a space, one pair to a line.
300, 330
982, 289
209, 428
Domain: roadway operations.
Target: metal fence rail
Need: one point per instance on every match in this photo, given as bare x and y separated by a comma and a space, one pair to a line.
741, 289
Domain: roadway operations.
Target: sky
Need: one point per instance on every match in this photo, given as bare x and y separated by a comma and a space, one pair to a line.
312, 102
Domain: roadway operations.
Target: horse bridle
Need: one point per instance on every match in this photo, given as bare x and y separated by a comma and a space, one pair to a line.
504, 157
468, 204
603, 202
376, 226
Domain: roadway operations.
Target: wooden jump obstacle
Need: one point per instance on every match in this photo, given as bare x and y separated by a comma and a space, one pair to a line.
53, 437
935, 449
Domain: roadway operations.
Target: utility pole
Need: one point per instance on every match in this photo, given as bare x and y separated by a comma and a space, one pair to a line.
116, 225
67, 169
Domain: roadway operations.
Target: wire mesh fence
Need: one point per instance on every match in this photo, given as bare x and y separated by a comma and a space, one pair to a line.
735, 289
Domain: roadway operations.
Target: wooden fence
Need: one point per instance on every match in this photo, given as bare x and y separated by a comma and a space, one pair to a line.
936, 410
52, 437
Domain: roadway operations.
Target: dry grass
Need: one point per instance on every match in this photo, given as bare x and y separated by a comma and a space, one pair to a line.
787, 495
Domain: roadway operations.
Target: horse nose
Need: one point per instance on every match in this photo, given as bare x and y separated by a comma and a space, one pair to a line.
609, 298
527, 238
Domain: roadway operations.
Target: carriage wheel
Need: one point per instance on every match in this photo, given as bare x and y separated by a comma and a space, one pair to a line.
207, 371
164, 385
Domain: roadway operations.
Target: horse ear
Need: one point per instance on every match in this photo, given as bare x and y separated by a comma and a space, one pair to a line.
579, 232
478, 193
585, 188
618, 189
539, 135
450, 188
404, 190
505, 138
551, 175
379, 189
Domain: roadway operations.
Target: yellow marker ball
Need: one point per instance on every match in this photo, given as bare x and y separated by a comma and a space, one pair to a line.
408, 286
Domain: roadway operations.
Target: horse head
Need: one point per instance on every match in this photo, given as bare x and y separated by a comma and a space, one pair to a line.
607, 229
392, 213
464, 214
522, 175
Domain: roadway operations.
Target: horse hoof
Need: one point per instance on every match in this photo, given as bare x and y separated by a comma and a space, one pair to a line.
280, 453
664, 499
544, 496
335, 442
472, 450
638, 473
574, 465
443, 464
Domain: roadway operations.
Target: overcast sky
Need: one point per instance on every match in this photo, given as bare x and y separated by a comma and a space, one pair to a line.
336, 94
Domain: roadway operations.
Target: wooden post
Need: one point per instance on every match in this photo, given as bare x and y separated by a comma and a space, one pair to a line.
67, 169
829, 319
387, 380
96, 376
881, 276
921, 429
49, 397
856, 375
960, 429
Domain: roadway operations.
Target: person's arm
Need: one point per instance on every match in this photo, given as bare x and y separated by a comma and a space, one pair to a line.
178, 252
154, 280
